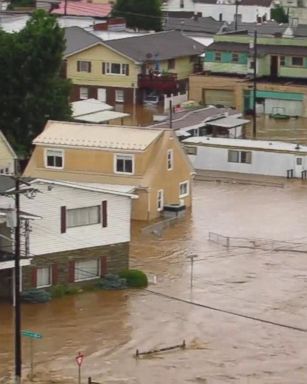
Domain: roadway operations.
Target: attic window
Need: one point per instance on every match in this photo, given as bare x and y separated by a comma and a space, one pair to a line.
54, 158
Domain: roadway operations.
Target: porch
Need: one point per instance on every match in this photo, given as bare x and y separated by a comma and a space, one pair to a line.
157, 81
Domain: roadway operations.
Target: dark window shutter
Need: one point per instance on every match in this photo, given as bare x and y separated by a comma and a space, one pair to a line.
55, 274
71, 271
103, 68
63, 219
127, 69
103, 265
89, 66
34, 277
104, 214
78, 66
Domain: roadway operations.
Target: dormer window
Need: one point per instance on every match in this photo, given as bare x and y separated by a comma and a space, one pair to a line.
54, 158
124, 164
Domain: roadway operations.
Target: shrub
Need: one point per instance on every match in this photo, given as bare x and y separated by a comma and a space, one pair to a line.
134, 278
35, 296
61, 290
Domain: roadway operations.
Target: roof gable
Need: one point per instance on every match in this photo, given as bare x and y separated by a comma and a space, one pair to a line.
77, 39
7, 145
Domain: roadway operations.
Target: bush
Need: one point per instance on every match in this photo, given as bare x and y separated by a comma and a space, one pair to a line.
35, 296
134, 278
111, 281
61, 290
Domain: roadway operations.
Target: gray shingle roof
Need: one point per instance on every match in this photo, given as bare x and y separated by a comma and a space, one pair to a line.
266, 28
77, 39
159, 46
6, 183
260, 3
202, 24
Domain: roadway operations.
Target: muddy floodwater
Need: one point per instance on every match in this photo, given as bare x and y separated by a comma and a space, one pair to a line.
221, 348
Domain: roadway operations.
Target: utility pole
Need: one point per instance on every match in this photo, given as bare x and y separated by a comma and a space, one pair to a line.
255, 87
236, 14
17, 285
170, 114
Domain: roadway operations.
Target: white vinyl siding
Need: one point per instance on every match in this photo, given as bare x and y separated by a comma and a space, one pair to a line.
43, 277
83, 216
86, 270
46, 234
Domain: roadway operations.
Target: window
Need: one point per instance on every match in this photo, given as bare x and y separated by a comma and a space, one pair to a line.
251, 64
299, 161
184, 189
43, 277
235, 58
160, 200
54, 159
282, 60
170, 158
78, 217
217, 56
119, 95
239, 157
171, 64
124, 164
83, 93
115, 69
86, 270
190, 150
84, 66
297, 61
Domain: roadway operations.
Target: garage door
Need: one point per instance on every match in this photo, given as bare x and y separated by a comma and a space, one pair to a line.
283, 107
219, 97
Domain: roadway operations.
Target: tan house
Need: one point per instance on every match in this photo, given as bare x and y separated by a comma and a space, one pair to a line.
127, 70
7, 156
151, 160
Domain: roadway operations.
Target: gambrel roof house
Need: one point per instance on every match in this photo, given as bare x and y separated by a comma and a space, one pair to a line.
71, 232
151, 160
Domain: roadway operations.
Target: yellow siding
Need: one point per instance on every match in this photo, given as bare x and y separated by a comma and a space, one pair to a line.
183, 67
151, 173
97, 55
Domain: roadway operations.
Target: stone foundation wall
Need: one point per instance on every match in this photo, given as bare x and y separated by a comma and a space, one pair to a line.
116, 259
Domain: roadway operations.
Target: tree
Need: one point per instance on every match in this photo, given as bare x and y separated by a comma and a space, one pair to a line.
140, 14
32, 90
279, 15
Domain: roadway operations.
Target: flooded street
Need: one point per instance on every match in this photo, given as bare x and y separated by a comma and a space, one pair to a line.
222, 348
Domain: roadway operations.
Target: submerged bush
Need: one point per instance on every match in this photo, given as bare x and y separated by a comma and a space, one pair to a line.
134, 278
35, 296
61, 290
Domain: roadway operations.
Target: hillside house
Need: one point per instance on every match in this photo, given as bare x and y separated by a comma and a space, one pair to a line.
7, 156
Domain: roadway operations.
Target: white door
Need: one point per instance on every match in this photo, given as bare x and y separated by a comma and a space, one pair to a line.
102, 94
299, 166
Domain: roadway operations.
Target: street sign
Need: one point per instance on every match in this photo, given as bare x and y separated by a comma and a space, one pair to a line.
79, 359
31, 334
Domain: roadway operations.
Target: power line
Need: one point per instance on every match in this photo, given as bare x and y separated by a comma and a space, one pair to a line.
221, 310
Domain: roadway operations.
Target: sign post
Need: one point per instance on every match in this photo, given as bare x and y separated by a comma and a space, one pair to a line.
32, 336
79, 360
191, 257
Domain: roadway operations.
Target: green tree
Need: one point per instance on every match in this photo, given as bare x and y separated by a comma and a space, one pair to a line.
140, 14
279, 15
32, 90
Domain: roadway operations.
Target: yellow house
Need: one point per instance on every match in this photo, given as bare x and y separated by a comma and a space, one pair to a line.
127, 70
151, 160
7, 156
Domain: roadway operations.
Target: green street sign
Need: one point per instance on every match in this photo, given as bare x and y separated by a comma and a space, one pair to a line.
32, 335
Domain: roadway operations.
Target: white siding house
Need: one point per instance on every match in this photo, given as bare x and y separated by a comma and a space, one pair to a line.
7, 156
257, 157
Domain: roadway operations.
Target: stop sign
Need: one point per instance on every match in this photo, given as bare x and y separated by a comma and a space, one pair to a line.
79, 359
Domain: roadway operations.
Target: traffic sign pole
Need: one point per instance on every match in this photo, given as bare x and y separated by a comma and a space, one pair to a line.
32, 336
79, 360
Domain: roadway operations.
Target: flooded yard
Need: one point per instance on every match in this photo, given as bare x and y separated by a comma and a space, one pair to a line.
269, 288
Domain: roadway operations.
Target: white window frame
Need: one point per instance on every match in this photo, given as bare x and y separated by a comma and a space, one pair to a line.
185, 194
46, 158
121, 98
49, 283
127, 155
170, 159
160, 200
122, 69
87, 274
83, 93
70, 225
248, 155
